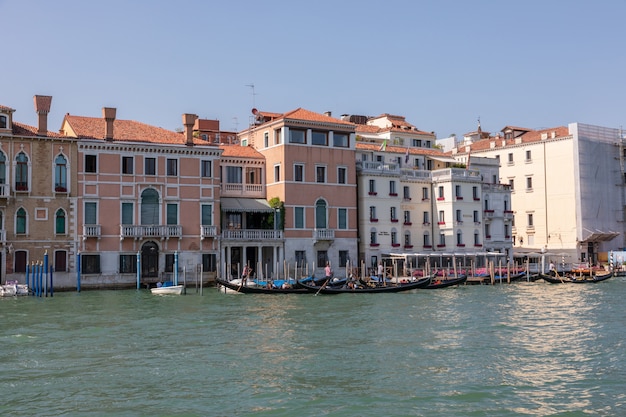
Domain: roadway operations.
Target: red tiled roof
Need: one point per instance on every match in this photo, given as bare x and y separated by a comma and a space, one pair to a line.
20, 129
5, 108
303, 114
125, 130
238, 151
528, 136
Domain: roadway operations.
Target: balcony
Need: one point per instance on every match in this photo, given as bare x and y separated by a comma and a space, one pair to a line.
208, 231
4, 190
251, 234
323, 234
92, 230
508, 215
488, 214
160, 231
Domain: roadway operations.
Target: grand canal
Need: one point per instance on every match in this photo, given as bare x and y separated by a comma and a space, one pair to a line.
525, 349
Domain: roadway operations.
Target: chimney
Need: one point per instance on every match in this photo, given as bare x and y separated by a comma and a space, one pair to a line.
108, 114
328, 113
42, 107
188, 121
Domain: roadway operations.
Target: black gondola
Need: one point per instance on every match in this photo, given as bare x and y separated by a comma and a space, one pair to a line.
576, 279
263, 289
437, 283
359, 287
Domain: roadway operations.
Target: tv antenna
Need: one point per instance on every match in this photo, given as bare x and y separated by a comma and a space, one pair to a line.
251, 85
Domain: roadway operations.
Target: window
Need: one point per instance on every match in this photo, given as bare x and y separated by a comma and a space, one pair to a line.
90, 264
427, 243
276, 173
475, 193
91, 164
21, 260
150, 166
459, 238
297, 136
319, 138
507, 233
91, 213
127, 164
528, 156
530, 220
21, 172
429, 165
342, 175
373, 213
487, 231
373, 237
392, 188
298, 217
298, 172
476, 218
172, 213
20, 221
320, 215
206, 169
60, 261
278, 136
233, 175
457, 192
3, 122
372, 187
266, 139
127, 213
512, 184
393, 214
169, 262
209, 262
60, 174
342, 218
394, 238
529, 183
344, 258
407, 217
426, 218
172, 167
442, 217
476, 239
424, 193
407, 193
59, 222
320, 174
407, 239
510, 158
322, 258
417, 143
128, 264
300, 257
440, 193
206, 214
459, 216
150, 207
340, 140
442, 240
3, 169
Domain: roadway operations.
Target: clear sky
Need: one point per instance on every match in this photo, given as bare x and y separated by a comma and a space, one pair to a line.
441, 63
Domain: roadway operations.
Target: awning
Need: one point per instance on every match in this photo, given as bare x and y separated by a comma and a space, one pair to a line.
250, 205
443, 159
599, 235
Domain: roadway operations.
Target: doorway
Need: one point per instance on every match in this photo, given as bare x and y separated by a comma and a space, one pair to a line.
150, 260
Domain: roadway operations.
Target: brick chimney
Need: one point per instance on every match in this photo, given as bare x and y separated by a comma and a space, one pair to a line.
108, 114
42, 107
188, 121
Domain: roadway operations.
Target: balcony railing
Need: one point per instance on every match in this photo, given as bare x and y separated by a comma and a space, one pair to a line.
252, 234
4, 190
91, 230
162, 231
3, 235
208, 231
323, 234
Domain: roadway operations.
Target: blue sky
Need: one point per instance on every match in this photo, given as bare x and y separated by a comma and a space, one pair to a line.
441, 63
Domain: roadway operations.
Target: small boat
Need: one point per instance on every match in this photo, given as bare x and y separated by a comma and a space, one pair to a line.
437, 282
576, 279
11, 288
258, 287
167, 288
362, 287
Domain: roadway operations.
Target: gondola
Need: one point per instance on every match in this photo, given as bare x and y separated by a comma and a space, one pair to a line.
361, 287
437, 283
276, 288
576, 279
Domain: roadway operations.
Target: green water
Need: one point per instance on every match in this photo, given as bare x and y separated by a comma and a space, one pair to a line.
526, 349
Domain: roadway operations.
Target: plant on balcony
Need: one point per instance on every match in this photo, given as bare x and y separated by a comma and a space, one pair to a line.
394, 220
372, 193
395, 245
393, 194
409, 246
374, 244
440, 198
373, 220
407, 223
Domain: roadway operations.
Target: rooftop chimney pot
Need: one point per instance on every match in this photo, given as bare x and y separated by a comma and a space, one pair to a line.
42, 107
108, 114
188, 121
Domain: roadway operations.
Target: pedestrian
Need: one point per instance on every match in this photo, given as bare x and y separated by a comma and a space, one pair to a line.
380, 273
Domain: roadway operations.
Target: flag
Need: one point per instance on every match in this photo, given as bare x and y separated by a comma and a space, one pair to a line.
406, 156
383, 146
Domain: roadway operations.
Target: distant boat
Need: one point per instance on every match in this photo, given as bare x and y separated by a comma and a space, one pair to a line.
361, 287
167, 288
437, 282
576, 279
255, 287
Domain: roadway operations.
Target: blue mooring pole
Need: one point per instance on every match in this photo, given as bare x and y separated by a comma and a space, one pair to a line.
78, 272
27, 271
138, 268
176, 268
51, 283
45, 273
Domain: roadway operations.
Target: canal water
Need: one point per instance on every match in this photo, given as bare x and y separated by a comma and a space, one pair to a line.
525, 349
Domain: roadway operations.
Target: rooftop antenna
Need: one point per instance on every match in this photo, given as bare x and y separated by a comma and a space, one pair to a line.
253, 93
236, 123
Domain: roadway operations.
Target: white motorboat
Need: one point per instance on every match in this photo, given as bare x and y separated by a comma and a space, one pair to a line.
167, 288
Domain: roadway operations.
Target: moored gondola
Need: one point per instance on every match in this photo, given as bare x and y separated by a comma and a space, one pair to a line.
576, 279
275, 287
437, 283
362, 287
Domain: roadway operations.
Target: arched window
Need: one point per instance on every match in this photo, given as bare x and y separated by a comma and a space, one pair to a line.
20, 221
60, 174
59, 222
3, 168
149, 207
21, 172
321, 221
